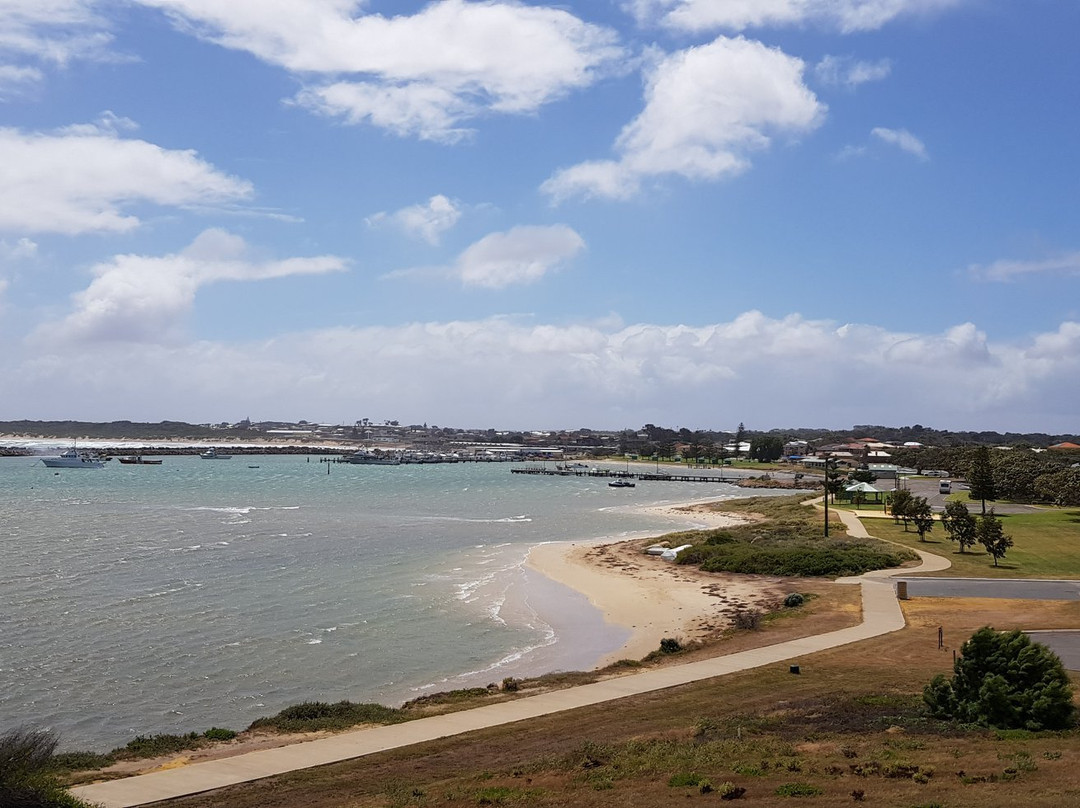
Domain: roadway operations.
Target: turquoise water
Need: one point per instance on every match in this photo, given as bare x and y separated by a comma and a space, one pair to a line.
147, 599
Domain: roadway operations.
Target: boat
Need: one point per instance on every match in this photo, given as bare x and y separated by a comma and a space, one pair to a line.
73, 459
138, 460
620, 484
214, 454
376, 458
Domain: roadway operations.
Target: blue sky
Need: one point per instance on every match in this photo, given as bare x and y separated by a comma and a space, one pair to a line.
686, 212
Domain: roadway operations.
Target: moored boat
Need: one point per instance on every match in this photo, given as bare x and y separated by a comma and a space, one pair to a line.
375, 458
620, 484
214, 454
138, 460
72, 459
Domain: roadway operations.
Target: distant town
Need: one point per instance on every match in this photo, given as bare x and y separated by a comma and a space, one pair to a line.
861, 444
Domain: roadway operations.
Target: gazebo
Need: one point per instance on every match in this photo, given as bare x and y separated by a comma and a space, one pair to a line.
870, 494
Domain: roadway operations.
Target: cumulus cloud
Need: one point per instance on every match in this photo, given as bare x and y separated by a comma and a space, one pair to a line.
1006, 270
903, 140
844, 71
428, 220
81, 179
518, 373
846, 16
422, 74
521, 255
706, 109
146, 298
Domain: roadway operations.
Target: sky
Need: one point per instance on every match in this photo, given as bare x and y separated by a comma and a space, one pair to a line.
693, 213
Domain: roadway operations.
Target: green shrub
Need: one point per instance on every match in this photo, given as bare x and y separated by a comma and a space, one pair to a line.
1004, 680
27, 772
670, 645
794, 600
730, 791
219, 734
312, 716
685, 780
144, 746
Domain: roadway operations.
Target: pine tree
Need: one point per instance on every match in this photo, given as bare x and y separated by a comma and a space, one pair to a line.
981, 478
992, 536
959, 524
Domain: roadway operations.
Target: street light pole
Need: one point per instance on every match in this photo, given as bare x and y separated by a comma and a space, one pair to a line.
827, 459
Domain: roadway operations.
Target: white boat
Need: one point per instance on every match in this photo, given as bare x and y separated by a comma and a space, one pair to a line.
214, 454
139, 460
376, 458
72, 459
620, 484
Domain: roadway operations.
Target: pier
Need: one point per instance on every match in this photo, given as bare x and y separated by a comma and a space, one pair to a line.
632, 475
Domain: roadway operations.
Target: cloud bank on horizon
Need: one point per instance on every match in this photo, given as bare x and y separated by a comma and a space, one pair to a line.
491, 213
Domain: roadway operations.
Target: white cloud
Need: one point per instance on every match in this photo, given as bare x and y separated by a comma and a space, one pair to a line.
847, 16
903, 140
82, 179
15, 80
21, 250
146, 298
421, 74
52, 31
1006, 270
523, 254
427, 221
706, 109
505, 372
844, 71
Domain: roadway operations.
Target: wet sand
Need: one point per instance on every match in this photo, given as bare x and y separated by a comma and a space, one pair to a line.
652, 598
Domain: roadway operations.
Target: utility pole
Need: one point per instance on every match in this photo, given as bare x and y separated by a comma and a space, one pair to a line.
828, 461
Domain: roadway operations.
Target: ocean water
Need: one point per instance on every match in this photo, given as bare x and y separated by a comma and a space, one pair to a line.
146, 599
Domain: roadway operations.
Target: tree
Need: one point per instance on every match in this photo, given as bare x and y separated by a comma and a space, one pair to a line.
991, 535
1004, 680
981, 477
922, 516
766, 448
900, 506
863, 476
26, 779
834, 481
959, 524
740, 436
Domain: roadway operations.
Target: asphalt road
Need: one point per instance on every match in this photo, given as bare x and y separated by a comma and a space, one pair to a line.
1016, 589
1066, 644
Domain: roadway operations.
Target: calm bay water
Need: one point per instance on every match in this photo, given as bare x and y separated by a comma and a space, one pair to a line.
146, 599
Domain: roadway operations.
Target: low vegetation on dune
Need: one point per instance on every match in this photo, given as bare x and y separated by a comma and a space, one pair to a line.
785, 538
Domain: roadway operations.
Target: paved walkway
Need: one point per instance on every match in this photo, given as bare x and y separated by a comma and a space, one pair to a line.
881, 615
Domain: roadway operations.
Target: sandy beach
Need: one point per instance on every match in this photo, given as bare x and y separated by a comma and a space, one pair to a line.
650, 597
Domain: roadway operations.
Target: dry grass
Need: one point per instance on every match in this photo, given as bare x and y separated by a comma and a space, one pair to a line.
850, 722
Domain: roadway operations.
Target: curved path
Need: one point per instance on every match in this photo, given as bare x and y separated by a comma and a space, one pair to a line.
880, 611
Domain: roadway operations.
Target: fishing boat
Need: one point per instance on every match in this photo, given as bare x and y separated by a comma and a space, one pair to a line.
620, 484
214, 454
138, 460
73, 459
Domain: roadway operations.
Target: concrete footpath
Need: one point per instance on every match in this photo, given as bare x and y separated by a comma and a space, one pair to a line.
880, 611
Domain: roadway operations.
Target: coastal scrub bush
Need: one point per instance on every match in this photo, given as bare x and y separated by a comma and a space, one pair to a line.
794, 600
1004, 680
670, 645
27, 775
311, 716
685, 780
144, 746
220, 734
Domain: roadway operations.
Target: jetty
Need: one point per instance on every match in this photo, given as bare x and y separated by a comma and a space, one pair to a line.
630, 475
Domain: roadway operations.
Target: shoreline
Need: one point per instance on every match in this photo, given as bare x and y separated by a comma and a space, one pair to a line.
650, 598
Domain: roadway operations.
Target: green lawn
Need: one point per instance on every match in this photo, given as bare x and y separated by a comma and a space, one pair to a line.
1046, 545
